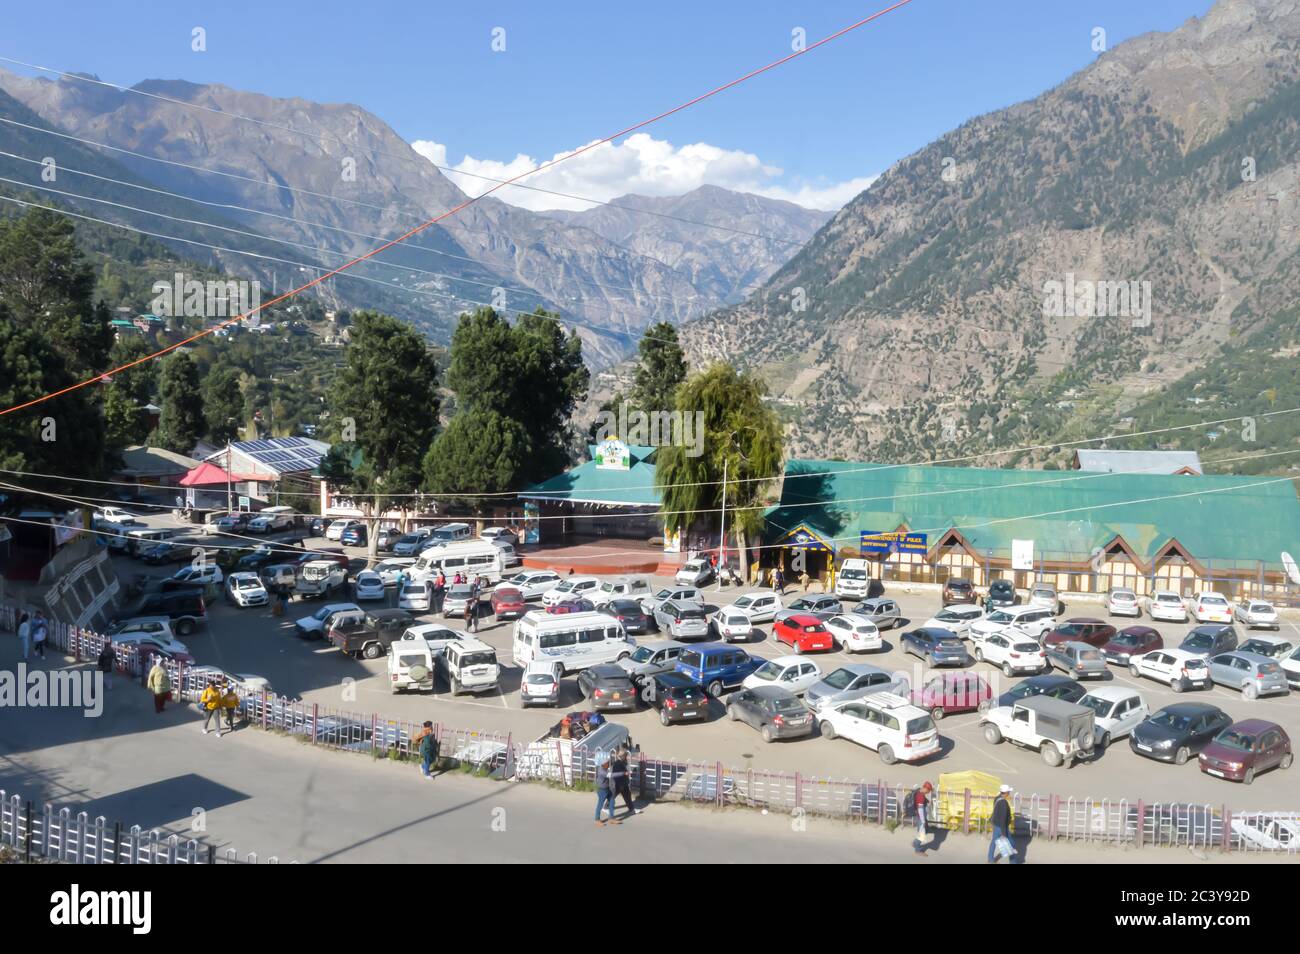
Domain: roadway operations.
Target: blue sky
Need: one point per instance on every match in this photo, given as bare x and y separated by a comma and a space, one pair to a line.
571, 72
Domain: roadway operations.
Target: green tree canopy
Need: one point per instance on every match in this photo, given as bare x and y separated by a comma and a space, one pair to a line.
660, 368
182, 422
480, 452
223, 402
125, 421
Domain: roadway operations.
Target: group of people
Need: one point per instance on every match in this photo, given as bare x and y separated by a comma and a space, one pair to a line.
613, 779
218, 699
438, 595
1001, 820
32, 632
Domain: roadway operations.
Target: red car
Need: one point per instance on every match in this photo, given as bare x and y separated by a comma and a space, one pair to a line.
1130, 642
805, 633
572, 606
1244, 749
1094, 632
953, 692
508, 602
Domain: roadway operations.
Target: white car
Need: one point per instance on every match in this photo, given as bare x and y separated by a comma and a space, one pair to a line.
1177, 668
881, 610
957, 618
885, 722
1032, 621
435, 634
534, 583
694, 573
199, 575
416, 595
159, 626
389, 570
113, 515
854, 633
144, 641
624, 588
314, 625
1210, 607
245, 681
731, 626
574, 587
789, 672
1290, 664
246, 589
1256, 614
1012, 652
1117, 710
335, 530
1168, 606
368, 585
1121, 601
761, 606
674, 594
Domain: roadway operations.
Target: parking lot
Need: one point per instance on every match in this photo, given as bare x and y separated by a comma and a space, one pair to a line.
253, 641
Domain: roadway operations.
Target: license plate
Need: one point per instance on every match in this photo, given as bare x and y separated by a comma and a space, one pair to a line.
617, 705
687, 715
1215, 772
1144, 748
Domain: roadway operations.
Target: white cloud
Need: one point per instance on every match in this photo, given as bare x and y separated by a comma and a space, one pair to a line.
640, 165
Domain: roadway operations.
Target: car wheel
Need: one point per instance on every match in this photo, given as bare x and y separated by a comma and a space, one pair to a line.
663, 717
455, 686
979, 655
622, 656
1007, 670
731, 714
887, 755
1286, 762
1249, 691
936, 713
1135, 672
992, 735
184, 627
1103, 743
1051, 754
371, 651
1178, 685
1249, 776
798, 649
827, 730
985, 706
1182, 755
715, 689
767, 733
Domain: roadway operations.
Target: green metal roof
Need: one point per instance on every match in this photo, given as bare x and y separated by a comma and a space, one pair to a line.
588, 483
1214, 518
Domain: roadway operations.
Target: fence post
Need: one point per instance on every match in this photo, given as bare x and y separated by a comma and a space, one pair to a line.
880, 802
640, 761
718, 782
1225, 840
315, 711
1053, 815
374, 729
966, 813
73, 635
212, 853
117, 842
266, 704
27, 841
1141, 825
798, 790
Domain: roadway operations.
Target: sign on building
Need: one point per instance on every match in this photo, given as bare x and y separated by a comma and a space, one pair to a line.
893, 541
1022, 554
613, 455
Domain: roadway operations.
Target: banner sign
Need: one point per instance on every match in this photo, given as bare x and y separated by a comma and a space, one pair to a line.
894, 541
800, 538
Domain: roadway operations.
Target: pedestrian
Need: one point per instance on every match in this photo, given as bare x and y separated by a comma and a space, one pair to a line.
25, 636
471, 615
229, 705
107, 660
439, 591
210, 703
40, 631
621, 780
160, 684
604, 793
921, 806
804, 580
428, 750
778, 580
1000, 844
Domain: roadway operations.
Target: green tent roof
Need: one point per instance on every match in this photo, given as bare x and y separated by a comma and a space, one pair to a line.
588, 483
1068, 514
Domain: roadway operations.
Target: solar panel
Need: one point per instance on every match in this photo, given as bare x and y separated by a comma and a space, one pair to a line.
266, 457
292, 442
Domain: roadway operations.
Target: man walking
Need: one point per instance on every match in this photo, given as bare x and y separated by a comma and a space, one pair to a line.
107, 660
210, 703
25, 636
471, 615
428, 749
778, 580
604, 791
1001, 822
621, 781
40, 631
160, 684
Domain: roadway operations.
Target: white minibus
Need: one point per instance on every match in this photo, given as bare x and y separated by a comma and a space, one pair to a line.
577, 640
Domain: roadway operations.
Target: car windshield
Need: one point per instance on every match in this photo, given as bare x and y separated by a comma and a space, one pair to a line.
1027, 648
950, 644
1264, 649
1125, 596
947, 616
853, 574
1127, 639
1199, 641
1100, 706
486, 658
1000, 617
1171, 720
1024, 690
919, 725
1216, 600
540, 678
409, 661
1043, 594
641, 654
1260, 608
1235, 739
736, 621
813, 629
769, 671
1168, 598
686, 692
743, 602
959, 584
839, 679
802, 603
663, 594
787, 706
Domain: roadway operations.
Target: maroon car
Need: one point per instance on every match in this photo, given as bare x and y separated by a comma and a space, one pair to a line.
957, 590
1094, 632
953, 692
1130, 642
572, 606
1246, 748
508, 602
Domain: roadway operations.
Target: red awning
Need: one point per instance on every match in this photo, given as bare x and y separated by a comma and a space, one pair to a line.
208, 474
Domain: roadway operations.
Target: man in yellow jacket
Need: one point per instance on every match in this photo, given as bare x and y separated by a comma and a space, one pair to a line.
230, 704
210, 703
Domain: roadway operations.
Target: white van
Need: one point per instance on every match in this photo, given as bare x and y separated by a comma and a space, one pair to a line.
271, 519
410, 665
137, 541
853, 580
470, 665
473, 558
450, 533
579, 640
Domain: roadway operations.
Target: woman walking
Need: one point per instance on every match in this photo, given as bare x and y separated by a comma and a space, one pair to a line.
922, 806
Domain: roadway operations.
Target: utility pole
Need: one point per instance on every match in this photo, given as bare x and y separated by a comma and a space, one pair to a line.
722, 534
229, 508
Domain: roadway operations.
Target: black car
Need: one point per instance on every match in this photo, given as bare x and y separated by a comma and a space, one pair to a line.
775, 712
678, 699
1177, 732
608, 687
631, 615
369, 635
170, 551
1058, 687
1210, 639
183, 607
1002, 593
259, 558
316, 527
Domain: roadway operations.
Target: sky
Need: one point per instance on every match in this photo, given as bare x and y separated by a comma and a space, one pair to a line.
495, 88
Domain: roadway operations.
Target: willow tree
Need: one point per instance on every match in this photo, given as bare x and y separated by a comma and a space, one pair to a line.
726, 428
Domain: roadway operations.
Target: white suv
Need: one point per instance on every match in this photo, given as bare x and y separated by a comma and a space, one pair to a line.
1012, 652
314, 625
534, 583
575, 587
1060, 731
760, 606
885, 722
1177, 668
1117, 710
1032, 621
624, 588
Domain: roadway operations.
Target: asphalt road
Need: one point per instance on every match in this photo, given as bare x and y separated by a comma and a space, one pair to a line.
253, 641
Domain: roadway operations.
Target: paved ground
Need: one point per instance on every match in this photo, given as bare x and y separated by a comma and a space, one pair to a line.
252, 641
276, 796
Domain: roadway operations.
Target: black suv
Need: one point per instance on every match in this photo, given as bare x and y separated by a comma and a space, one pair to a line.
1210, 639
183, 607
369, 635
1002, 593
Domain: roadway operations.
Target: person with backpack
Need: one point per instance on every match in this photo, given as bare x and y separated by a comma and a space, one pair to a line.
107, 660
1000, 821
428, 749
25, 636
40, 631
920, 808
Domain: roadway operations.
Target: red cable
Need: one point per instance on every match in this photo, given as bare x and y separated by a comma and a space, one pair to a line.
452, 211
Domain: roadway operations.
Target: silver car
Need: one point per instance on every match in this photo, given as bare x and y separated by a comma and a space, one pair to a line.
682, 620
1254, 675
1121, 601
649, 659
1256, 614
853, 682
882, 611
1078, 660
1045, 595
821, 605
457, 598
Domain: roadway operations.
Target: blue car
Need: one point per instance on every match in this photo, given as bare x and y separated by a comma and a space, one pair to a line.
354, 536
1058, 687
716, 666
941, 647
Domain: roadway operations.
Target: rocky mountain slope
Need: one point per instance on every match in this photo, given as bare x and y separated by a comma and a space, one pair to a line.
915, 323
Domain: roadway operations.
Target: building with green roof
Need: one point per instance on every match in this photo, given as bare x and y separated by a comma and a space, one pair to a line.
1082, 531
